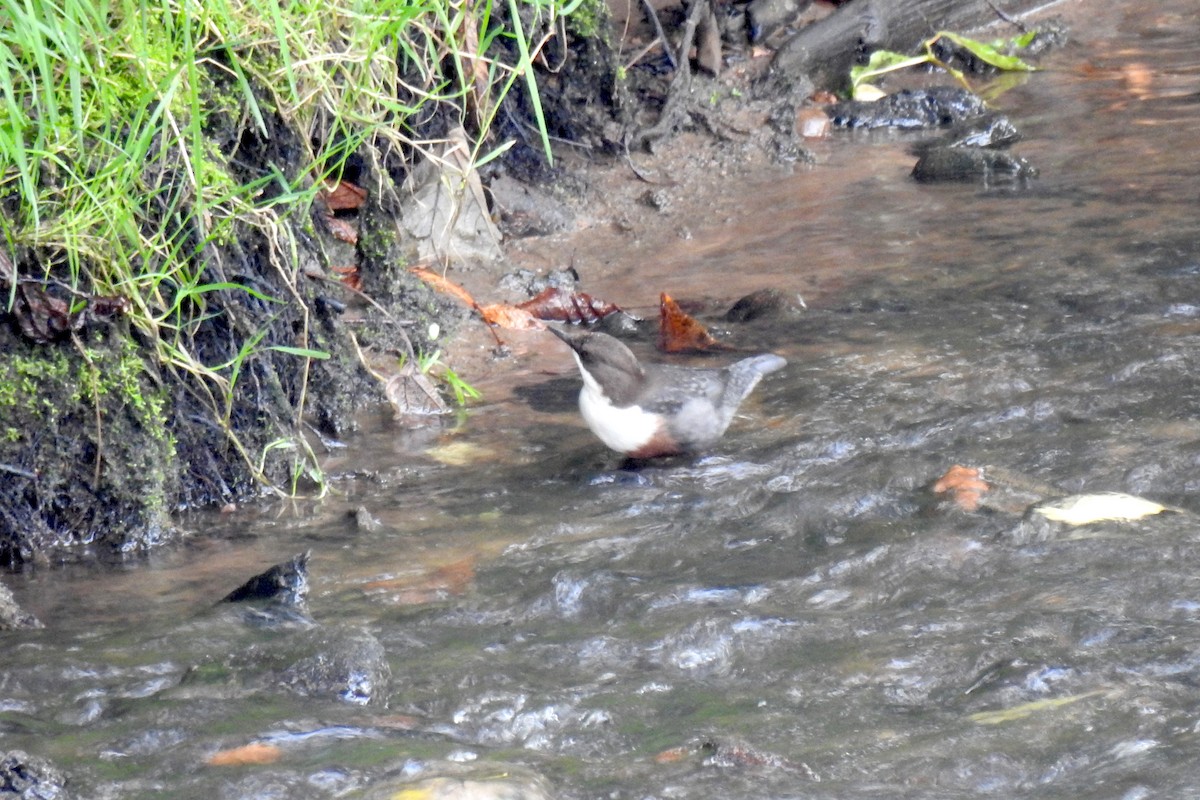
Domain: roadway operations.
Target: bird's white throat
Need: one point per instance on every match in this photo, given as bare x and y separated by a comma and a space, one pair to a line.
623, 429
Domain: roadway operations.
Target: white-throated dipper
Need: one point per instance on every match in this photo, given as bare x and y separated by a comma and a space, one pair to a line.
650, 410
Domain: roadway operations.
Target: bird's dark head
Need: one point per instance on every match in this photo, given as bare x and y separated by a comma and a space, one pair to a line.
606, 361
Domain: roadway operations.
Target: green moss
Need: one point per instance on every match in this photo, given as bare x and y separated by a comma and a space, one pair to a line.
106, 377
25, 386
590, 20
48, 386
91, 423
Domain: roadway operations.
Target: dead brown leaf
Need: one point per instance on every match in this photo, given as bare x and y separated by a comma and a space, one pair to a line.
44, 318
411, 392
708, 45
343, 196
678, 332
556, 304
350, 276
477, 67
343, 230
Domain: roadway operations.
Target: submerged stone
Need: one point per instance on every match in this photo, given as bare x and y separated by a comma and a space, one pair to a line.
285, 583
910, 109
31, 778
989, 130
971, 165
350, 665
12, 616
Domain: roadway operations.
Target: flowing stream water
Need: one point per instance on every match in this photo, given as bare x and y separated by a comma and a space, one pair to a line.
790, 615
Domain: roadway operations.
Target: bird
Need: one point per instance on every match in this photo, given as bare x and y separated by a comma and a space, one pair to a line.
649, 410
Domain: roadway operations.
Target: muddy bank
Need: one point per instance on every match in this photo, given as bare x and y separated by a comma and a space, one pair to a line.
104, 442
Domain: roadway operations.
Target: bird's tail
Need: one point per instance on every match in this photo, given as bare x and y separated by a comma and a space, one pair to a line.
745, 375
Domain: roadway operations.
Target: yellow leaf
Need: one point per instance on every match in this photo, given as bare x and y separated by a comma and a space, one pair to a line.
459, 454
1082, 509
868, 92
413, 794
1026, 709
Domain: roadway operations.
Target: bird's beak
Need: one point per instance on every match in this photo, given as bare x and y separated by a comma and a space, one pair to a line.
566, 337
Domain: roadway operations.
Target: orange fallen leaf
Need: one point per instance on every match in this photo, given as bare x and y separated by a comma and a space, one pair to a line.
350, 276
964, 486
501, 315
396, 722
511, 317
253, 753
456, 576
1138, 80
343, 196
562, 305
679, 332
444, 285
672, 755
448, 580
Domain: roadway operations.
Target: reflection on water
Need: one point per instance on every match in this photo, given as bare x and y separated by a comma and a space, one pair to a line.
786, 616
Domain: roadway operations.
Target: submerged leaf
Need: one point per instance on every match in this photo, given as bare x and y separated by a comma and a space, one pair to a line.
460, 454
1083, 509
964, 486
412, 392
434, 584
1026, 709
254, 753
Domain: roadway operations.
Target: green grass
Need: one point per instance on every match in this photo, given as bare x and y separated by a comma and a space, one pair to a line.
108, 174
431, 364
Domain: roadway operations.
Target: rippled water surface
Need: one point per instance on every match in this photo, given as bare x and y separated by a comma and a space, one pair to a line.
789, 616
